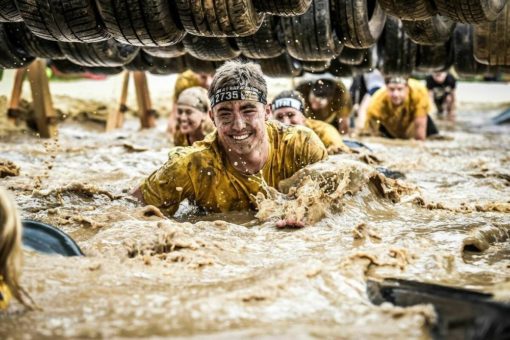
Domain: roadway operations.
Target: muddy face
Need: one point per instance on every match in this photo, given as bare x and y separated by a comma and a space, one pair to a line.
289, 116
397, 93
317, 103
189, 119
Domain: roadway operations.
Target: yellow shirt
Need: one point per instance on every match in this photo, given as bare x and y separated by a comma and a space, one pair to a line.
184, 81
182, 140
398, 121
328, 135
5, 295
202, 173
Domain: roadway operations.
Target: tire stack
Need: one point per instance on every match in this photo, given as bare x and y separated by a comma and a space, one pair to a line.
286, 37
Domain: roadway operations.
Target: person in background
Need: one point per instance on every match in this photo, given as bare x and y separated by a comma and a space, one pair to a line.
328, 100
246, 155
400, 110
184, 81
441, 86
289, 108
10, 254
193, 122
362, 89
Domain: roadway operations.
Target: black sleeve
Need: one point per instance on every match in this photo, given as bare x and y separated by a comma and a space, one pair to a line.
430, 82
451, 81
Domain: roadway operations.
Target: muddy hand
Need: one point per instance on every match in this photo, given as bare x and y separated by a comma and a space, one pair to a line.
290, 223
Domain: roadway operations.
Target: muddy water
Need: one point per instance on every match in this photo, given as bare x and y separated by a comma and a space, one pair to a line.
236, 275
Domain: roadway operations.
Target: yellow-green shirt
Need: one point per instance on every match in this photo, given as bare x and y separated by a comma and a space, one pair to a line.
328, 135
182, 140
5, 295
398, 121
202, 174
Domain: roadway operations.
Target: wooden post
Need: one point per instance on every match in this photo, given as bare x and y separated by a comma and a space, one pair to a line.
45, 116
115, 119
147, 116
16, 93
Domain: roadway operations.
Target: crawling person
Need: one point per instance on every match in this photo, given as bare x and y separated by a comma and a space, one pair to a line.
441, 86
193, 122
246, 155
289, 108
400, 110
10, 254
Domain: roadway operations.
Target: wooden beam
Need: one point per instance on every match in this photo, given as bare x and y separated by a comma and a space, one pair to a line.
115, 119
45, 116
17, 88
147, 114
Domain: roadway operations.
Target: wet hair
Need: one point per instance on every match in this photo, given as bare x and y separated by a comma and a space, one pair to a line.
195, 97
324, 88
291, 94
236, 73
10, 247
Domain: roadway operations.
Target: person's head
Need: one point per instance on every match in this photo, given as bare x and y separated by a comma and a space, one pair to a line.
322, 92
238, 107
10, 245
288, 108
204, 79
439, 77
192, 109
398, 90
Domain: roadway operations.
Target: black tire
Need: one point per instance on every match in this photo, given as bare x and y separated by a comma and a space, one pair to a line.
435, 58
397, 53
9, 12
166, 66
409, 9
172, 51
310, 36
21, 36
12, 56
141, 62
436, 30
65, 66
212, 49
351, 56
219, 18
470, 11
465, 63
359, 23
281, 66
202, 66
108, 53
492, 40
284, 8
104, 71
142, 23
63, 20
265, 43
369, 62
317, 67
338, 69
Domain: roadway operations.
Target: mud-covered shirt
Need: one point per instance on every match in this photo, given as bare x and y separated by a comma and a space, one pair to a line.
203, 175
398, 120
329, 136
181, 139
441, 90
5, 295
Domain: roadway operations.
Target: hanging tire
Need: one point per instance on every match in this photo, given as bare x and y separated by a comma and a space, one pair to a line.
397, 53
359, 23
12, 56
142, 23
202, 66
65, 66
433, 31
172, 51
470, 11
284, 8
219, 18
351, 56
69, 20
104, 71
464, 61
434, 58
409, 9
310, 36
492, 40
108, 53
21, 36
9, 12
166, 66
317, 67
340, 70
369, 62
265, 43
281, 66
141, 62
213, 49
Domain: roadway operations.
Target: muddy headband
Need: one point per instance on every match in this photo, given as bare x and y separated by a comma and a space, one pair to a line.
288, 102
225, 94
396, 80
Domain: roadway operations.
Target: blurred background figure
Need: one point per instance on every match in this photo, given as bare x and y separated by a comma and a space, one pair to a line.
184, 81
400, 110
327, 100
289, 108
10, 253
441, 86
362, 89
193, 122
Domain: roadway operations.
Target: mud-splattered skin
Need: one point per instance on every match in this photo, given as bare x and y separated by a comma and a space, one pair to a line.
231, 275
